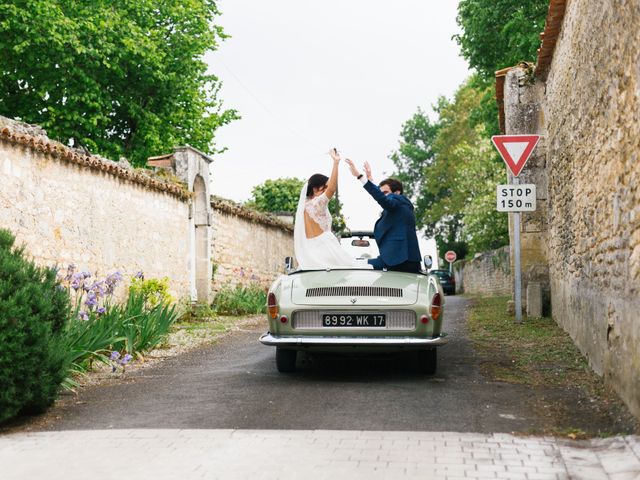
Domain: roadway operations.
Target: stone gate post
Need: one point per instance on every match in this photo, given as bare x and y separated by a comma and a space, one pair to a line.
192, 167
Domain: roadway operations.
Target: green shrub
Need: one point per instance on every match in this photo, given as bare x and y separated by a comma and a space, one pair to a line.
241, 300
154, 290
33, 313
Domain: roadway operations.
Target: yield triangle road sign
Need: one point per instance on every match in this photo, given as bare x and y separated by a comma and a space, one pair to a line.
515, 150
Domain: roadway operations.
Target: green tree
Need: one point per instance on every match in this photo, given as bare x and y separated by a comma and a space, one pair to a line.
451, 171
116, 77
283, 194
500, 33
497, 34
280, 195
415, 152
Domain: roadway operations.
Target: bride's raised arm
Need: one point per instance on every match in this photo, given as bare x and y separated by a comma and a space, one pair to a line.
332, 184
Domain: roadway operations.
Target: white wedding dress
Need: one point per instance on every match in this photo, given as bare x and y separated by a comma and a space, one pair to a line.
323, 251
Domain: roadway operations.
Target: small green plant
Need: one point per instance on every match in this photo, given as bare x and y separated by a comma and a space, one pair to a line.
248, 299
34, 309
195, 312
154, 290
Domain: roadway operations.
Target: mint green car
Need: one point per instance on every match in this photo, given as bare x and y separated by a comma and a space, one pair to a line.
347, 310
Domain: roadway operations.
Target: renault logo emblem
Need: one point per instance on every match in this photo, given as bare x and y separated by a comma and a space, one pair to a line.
354, 299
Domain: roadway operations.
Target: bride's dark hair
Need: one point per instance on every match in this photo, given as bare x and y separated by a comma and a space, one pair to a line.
316, 181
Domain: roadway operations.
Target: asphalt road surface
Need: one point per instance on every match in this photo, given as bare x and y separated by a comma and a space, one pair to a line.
235, 384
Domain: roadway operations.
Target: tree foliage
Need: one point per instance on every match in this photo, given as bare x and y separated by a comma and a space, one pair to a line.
449, 165
497, 34
451, 171
280, 195
500, 33
117, 77
283, 194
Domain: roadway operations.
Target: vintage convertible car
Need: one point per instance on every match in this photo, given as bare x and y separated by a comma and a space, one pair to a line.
355, 310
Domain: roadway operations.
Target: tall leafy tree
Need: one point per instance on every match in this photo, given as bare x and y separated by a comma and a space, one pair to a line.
283, 194
451, 171
497, 34
448, 165
500, 33
118, 77
279, 195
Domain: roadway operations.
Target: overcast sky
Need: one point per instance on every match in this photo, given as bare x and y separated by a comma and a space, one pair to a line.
307, 76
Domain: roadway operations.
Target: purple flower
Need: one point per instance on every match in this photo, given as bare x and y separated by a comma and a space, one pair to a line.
126, 359
83, 316
91, 300
101, 311
85, 274
112, 281
77, 281
140, 275
98, 288
115, 355
71, 269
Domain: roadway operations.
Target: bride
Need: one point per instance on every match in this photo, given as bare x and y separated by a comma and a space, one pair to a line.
315, 246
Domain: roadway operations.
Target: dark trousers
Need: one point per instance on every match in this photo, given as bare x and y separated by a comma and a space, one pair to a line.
410, 267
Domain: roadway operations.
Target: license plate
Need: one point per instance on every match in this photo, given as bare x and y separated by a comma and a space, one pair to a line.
354, 320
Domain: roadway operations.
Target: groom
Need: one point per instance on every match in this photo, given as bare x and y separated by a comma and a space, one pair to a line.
395, 230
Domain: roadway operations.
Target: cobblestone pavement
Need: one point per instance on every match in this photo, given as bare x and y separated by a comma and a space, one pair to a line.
311, 454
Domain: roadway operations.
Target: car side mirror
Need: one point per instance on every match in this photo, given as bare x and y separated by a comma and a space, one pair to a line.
288, 264
428, 262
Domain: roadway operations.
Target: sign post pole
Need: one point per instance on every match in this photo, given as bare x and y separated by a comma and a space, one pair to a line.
517, 289
515, 150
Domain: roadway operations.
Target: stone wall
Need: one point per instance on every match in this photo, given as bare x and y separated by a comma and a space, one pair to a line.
592, 119
247, 247
69, 207
486, 274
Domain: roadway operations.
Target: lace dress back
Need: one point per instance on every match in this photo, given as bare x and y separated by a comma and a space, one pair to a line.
318, 210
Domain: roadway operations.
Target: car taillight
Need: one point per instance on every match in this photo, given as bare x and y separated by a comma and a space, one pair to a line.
272, 305
283, 319
436, 306
424, 319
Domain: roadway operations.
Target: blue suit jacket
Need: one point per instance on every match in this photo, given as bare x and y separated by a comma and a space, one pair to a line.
395, 230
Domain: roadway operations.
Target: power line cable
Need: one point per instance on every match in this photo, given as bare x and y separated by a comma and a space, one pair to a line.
267, 109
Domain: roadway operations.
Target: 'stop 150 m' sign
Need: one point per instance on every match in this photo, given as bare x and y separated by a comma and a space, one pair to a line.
516, 198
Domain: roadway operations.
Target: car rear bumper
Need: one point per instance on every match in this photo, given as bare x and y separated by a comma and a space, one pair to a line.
327, 341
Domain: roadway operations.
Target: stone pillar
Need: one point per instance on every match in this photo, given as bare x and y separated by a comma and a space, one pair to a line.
523, 115
192, 167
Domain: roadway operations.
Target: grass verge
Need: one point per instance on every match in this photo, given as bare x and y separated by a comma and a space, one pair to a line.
535, 352
539, 354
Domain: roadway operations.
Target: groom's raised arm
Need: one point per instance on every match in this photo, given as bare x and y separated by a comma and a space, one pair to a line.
388, 202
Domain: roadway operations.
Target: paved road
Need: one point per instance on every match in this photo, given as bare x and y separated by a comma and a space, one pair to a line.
225, 412
235, 385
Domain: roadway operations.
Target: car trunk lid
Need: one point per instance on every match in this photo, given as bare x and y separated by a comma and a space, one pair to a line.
355, 287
